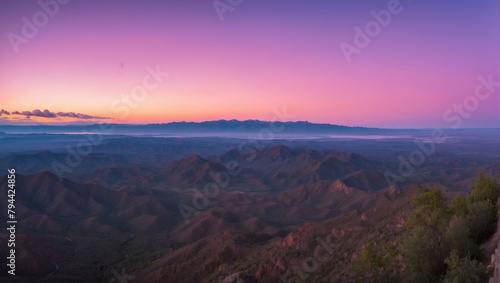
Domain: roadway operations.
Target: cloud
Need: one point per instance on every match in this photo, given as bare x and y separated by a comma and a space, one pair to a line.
47, 114
37, 113
79, 115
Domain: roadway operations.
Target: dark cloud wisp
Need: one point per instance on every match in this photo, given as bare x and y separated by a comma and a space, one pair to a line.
78, 115
47, 114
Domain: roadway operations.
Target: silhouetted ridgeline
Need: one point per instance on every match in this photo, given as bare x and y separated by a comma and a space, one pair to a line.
219, 126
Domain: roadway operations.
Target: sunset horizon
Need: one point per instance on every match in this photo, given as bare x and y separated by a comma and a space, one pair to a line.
91, 122
355, 65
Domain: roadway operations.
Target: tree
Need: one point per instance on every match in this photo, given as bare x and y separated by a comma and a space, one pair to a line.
458, 238
420, 257
482, 208
425, 249
458, 206
369, 263
431, 213
374, 265
465, 270
485, 189
482, 220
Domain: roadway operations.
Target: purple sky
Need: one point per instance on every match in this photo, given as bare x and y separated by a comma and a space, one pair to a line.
263, 55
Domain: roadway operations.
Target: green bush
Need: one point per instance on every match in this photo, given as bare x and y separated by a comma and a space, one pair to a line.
443, 242
465, 270
485, 189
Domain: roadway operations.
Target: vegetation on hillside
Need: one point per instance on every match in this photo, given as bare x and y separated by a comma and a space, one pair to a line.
419, 236
441, 243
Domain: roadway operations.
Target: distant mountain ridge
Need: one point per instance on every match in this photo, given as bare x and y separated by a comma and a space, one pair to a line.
217, 126
252, 125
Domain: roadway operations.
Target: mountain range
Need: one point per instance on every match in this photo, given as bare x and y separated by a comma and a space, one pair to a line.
121, 207
218, 126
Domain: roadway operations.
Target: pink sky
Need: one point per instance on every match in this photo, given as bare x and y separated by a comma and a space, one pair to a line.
264, 55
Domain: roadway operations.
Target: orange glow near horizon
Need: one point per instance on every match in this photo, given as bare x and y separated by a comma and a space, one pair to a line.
88, 60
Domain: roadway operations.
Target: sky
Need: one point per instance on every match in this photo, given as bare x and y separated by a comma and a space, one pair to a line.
183, 60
